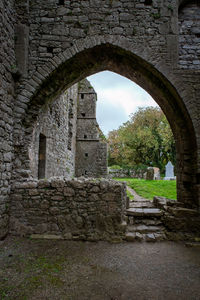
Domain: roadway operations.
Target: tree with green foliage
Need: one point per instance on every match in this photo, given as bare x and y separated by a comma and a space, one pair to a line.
146, 139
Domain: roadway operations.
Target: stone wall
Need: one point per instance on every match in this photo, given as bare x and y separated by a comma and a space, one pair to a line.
54, 27
91, 153
123, 173
180, 223
189, 36
102, 160
137, 39
87, 129
58, 45
7, 70
67, 133
91, 159
76, 209
57, 122
150, 173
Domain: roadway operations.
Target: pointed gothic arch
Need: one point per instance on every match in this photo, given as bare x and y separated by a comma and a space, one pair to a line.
84, 60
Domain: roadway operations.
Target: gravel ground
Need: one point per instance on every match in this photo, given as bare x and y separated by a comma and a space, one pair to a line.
65, 270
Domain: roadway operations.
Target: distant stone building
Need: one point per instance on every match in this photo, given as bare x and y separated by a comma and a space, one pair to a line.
91, 153
65, 139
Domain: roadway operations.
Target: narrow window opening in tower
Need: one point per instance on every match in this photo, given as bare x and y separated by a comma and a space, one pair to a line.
82, 96
85, 172
86, 154
42, 157
198, 178
49, 49
83, 114
148, 2
61, 2
85, 136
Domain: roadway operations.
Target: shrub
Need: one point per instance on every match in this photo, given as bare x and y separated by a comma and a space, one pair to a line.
115, 167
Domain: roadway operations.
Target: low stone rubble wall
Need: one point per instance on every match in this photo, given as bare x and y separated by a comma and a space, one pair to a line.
181, 223
124, 173
89, 209
151, 173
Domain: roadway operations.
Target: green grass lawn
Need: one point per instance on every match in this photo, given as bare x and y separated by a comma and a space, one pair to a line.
150, 188
131, 197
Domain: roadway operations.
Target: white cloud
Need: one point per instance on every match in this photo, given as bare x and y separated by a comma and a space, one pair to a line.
118, 97
110, 117
126, 98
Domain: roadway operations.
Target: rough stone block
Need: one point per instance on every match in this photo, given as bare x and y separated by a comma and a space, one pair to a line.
150, 237
57, 183
183, 212
69, 192
130, 237
46, 236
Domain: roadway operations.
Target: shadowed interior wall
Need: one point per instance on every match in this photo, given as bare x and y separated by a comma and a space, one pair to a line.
54, 155
7, 98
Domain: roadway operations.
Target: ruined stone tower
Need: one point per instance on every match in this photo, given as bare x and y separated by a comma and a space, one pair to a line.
91, 154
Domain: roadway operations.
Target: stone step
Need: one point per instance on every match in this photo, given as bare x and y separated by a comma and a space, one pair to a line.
144, 204
139, 220
154, 237
148, 222
147, 237
133, 236
144, 229
193, 244
144, 212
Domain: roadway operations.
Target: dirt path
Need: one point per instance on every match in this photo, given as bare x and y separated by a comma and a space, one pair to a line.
136, 196
63, 270
138, 201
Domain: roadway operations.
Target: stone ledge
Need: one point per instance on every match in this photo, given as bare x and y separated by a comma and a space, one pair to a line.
46, 236
144, 212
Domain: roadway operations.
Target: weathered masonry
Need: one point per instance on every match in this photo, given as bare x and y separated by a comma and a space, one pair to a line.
65, 141
49, 45
53, 145
76, 209
91, 154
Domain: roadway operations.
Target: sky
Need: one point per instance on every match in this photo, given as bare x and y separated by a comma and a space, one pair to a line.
117, 97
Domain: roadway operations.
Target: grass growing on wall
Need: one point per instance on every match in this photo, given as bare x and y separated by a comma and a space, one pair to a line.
150, 188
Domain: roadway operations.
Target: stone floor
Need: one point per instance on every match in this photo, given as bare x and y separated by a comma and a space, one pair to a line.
64, 270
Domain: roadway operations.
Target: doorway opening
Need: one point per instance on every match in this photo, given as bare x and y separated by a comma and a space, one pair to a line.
139, 138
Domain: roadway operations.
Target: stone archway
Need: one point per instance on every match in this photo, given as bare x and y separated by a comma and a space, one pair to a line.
77, 63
